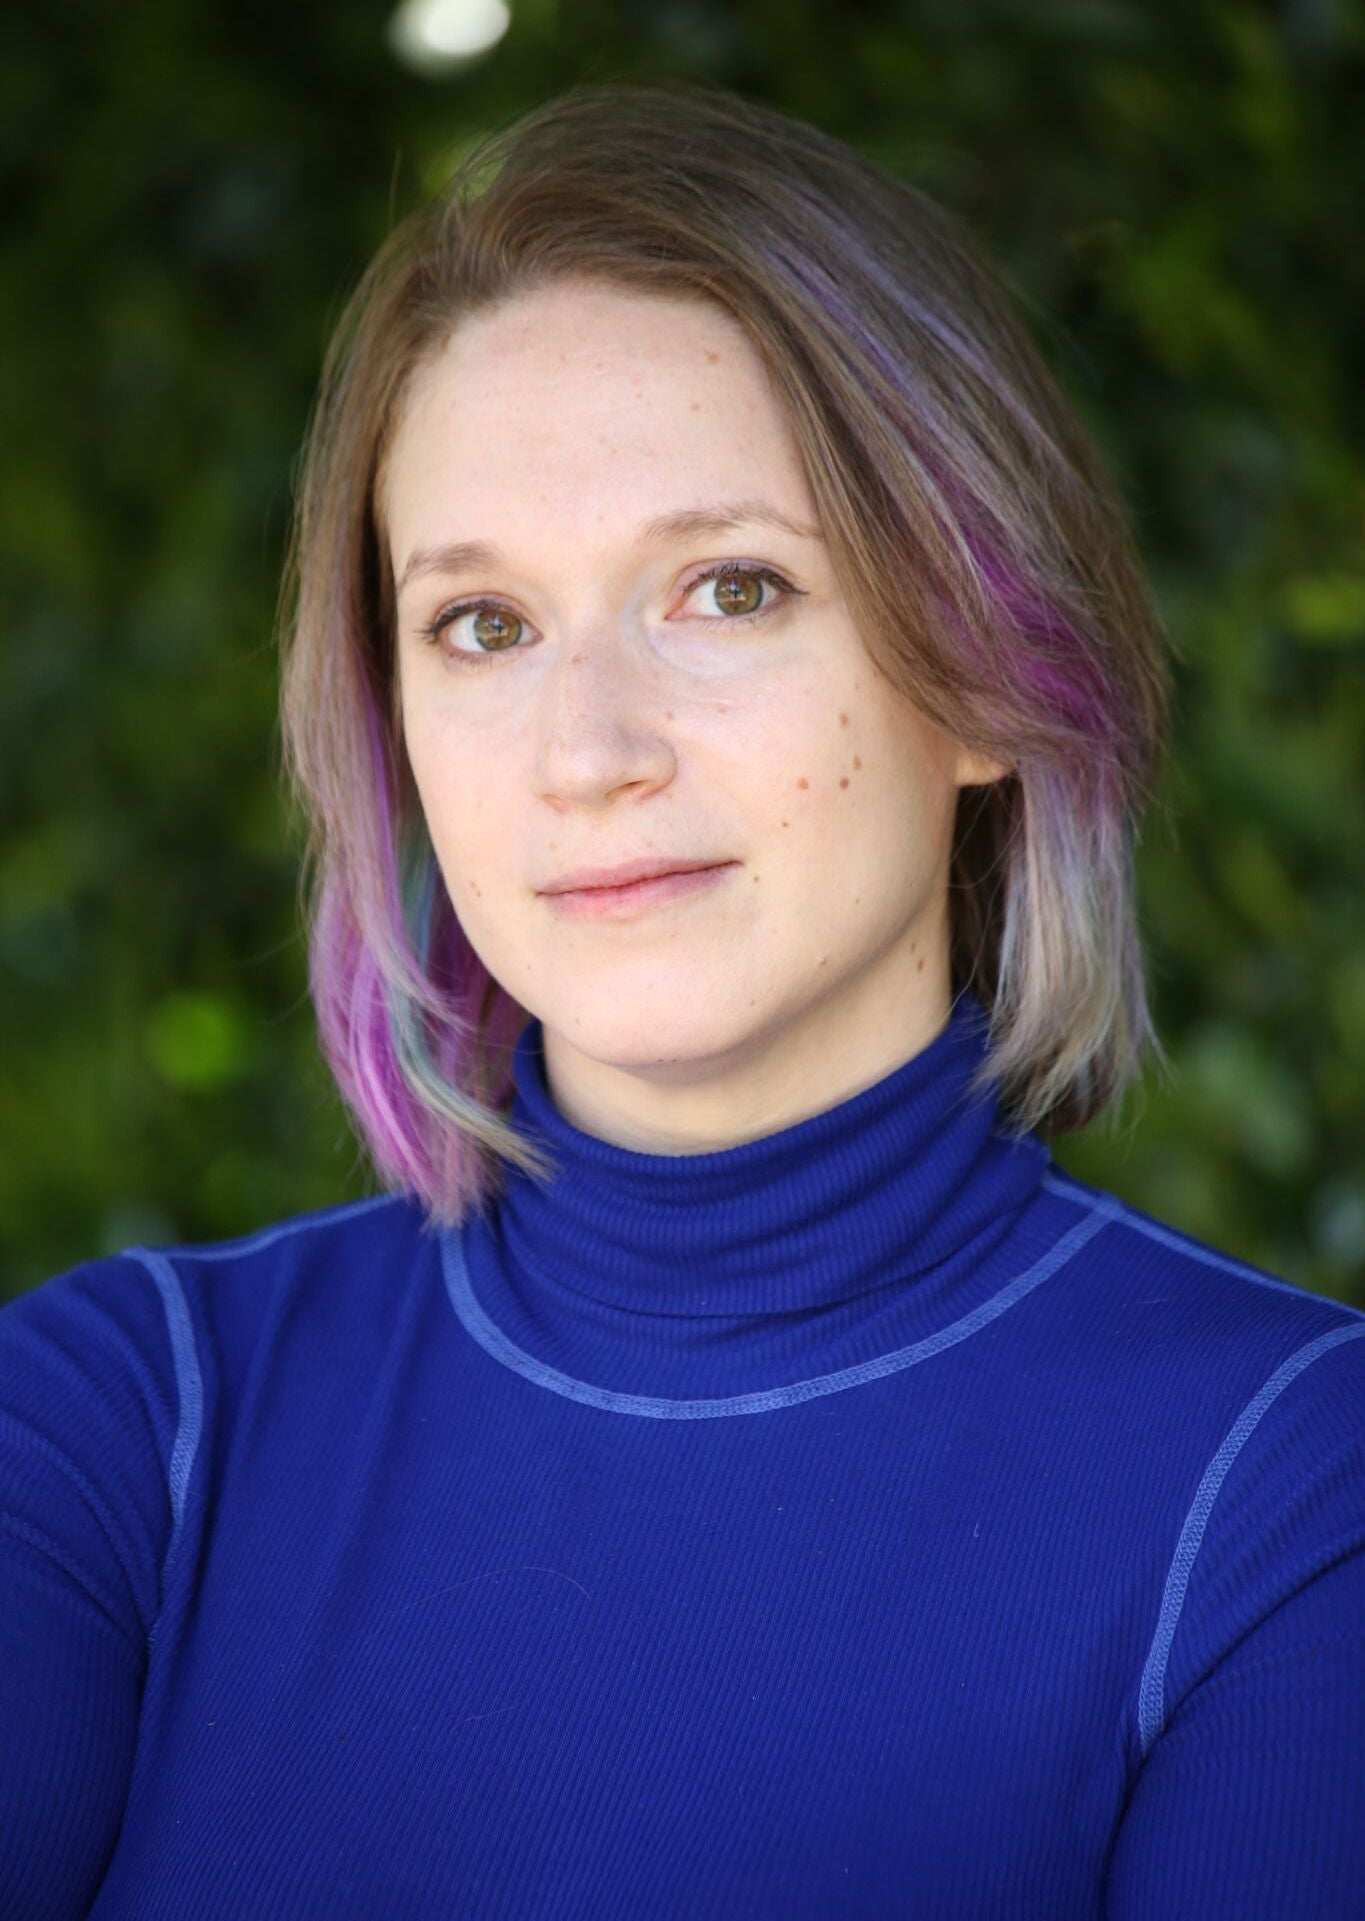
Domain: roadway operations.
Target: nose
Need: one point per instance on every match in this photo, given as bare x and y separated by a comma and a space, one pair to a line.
602, 719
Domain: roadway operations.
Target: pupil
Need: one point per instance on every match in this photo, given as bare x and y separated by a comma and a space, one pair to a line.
486, 618
731, 591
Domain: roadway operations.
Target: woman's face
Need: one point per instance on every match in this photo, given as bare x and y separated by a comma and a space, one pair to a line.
611, 705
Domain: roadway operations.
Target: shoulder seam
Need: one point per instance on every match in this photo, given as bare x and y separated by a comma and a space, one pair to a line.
263, 1237
1127, 1216
1152, 1687
190, 1393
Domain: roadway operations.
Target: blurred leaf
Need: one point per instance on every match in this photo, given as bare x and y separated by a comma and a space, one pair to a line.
198, 1042
1326, 608
1249, 1097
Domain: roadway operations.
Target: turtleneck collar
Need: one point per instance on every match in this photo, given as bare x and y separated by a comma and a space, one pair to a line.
885, 1186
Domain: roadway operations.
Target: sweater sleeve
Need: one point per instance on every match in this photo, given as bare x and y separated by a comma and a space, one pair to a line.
1250, 1801
87, 1408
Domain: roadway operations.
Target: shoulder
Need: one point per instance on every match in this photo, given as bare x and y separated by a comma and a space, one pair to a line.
1257, 1382
113, 1372
137, 1275
295, 1240
133, 1326
1239, 1397
93, 1405
1136, 1251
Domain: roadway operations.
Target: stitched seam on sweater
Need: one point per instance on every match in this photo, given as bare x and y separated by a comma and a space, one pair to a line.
1152, 1687
281, 1230
491, 1338
1185, 1244
190, 1395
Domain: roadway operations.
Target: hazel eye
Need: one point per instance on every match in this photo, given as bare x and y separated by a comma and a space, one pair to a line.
491, 622
738, 590
495, 628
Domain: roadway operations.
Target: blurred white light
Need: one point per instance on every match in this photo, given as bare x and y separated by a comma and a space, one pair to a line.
433, 35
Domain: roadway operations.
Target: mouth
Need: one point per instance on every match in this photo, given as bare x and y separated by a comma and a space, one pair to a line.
639, 896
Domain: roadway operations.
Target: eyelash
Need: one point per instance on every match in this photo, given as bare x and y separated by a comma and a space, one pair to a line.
769, 575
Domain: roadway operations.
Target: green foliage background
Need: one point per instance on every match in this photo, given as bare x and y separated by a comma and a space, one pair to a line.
192, 189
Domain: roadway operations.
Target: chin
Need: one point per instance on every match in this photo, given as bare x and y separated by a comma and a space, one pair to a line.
652, 1036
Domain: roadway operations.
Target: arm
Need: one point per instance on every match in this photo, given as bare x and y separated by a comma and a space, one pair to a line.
84, 1525
70, 1685
1251, 1803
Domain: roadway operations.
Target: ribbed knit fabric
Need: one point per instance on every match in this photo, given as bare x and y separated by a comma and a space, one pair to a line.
865, 1521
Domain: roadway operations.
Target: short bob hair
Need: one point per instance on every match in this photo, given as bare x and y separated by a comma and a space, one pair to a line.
983, 552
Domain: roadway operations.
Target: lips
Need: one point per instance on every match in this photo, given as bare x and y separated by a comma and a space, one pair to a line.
627, 873
639, 897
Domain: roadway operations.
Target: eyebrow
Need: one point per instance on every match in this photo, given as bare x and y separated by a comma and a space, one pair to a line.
684, 523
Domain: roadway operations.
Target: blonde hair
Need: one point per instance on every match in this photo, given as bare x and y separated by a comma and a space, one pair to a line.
982, 550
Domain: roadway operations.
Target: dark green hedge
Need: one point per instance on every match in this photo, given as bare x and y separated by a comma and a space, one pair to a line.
191, 190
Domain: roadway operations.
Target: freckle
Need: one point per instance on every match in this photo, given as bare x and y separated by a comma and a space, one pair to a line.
712, 357
784, 823
844, 781
803, 782
920, 966
913, 945
843, 720
856, 763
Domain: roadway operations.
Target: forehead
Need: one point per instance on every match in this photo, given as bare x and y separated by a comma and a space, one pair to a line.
576, 385
582, 330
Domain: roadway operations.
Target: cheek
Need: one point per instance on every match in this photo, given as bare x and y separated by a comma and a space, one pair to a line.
451, 786
837, 761
430, 769
878, 794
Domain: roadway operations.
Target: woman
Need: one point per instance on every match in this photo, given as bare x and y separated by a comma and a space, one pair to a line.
729, 1470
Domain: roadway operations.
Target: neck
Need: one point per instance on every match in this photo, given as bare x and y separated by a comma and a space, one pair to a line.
873, 1220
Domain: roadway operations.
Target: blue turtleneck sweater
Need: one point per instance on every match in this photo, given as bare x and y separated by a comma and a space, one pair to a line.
864, 1521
